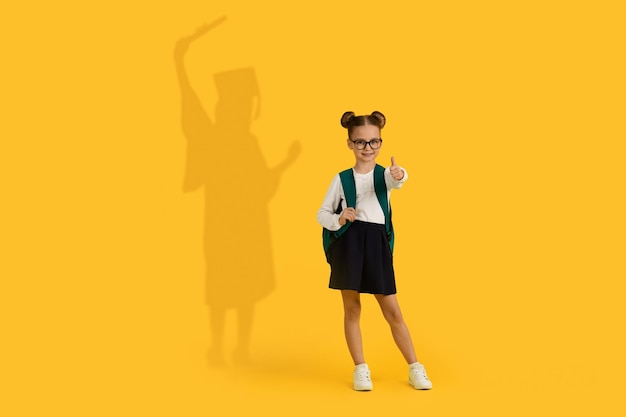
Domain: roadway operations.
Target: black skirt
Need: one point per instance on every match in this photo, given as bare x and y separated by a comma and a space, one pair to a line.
361, 260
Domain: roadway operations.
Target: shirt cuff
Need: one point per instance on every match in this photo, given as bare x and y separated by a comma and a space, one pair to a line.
336, 221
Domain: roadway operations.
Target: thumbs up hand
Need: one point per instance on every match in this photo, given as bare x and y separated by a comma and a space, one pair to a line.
396, 172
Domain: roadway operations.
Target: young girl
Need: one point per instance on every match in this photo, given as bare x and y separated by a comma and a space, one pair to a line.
361, 258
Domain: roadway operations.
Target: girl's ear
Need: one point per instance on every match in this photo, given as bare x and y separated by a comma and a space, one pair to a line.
349, 143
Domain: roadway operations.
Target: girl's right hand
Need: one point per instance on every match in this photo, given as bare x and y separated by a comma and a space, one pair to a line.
347, 215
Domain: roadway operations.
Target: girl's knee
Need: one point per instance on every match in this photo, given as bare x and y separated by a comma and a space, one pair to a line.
393, 316
351, 305
352, 311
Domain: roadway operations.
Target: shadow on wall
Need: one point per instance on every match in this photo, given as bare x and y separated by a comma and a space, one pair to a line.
225, 160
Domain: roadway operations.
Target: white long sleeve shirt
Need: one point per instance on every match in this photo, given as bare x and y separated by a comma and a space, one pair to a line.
367, 206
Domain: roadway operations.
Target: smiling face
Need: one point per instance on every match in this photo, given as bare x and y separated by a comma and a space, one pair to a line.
365, 133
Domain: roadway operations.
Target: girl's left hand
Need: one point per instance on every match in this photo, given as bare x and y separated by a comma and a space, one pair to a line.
396, 172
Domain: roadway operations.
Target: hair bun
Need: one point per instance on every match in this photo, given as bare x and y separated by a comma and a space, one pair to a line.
346, 118
380, 117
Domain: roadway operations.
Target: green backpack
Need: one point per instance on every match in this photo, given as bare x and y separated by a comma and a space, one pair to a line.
349, 189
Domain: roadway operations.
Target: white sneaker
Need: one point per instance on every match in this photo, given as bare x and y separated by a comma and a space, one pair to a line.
418, 377
361, 378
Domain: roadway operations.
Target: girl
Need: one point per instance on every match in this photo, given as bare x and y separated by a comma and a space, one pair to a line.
360, 243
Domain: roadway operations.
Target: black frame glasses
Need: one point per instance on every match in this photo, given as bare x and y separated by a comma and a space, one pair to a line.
361, 144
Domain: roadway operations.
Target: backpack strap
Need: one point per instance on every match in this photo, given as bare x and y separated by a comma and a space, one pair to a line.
349, 191
349, 187
380, 186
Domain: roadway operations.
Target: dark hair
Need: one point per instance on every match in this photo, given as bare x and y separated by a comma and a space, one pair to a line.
350, 121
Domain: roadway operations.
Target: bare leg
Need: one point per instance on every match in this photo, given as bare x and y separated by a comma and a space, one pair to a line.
399, 330
351, 325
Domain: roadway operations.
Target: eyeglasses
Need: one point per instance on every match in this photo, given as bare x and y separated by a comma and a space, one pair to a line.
360, 144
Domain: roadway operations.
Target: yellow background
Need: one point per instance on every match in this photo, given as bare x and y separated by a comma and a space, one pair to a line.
509, 117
